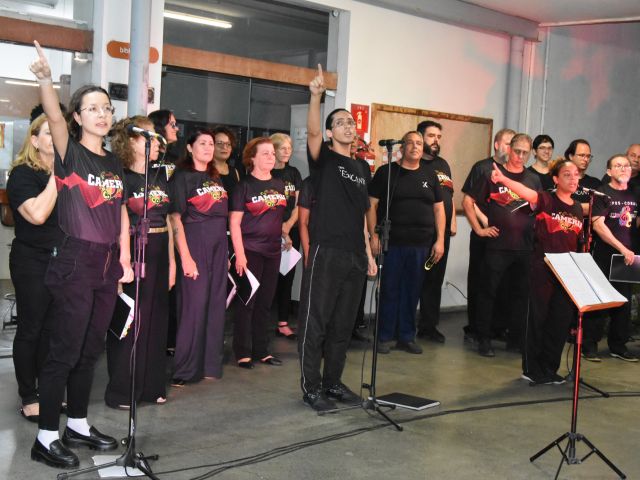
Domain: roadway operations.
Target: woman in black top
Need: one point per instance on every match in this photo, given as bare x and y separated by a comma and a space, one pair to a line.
255, 221
87, 265
225, 142
557, 230
199, 219
160, 274
32, 196
164, 123
543, 150
292, 183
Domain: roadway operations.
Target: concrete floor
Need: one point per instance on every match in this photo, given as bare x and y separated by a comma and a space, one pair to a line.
253, 424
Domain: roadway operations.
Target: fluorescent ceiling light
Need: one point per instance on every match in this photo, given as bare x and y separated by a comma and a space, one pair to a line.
4, 100
26, 84
185, 17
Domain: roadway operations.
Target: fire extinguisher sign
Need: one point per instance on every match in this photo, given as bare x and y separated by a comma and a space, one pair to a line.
361, 116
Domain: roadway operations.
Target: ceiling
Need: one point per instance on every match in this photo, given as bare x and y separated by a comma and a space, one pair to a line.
565, 11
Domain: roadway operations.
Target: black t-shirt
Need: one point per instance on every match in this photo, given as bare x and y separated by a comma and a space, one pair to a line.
619, 212
307, 199
442, 170
197, 196
158, 200
589, 182
292, 183
413, 193
558, 225
263, 203
25, 183
545, 179
90, 194
341, 192
230, 180
507, 211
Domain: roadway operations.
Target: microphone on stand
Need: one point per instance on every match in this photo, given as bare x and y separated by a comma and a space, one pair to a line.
146, 133
389, 142
595, 192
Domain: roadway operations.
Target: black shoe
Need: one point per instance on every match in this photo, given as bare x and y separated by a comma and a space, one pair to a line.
536, 379
178, 382
384, 347
485, 349
591, 356
271, 360
341, 393
409, 347
433, 335
556, 379
318, 401
359, 337
625, 355
57, 455
248, 364
31, 418
95, 440
291, 336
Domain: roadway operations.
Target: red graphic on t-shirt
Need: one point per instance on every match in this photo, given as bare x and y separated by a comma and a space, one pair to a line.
207, 196
267, 200
444, 180
504, 196
157, 197
560, 222
95, 190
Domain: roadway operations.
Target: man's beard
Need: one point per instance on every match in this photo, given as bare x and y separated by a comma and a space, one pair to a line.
434, 149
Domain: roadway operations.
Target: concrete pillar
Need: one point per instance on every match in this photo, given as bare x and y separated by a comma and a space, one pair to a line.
514, 84
139, 57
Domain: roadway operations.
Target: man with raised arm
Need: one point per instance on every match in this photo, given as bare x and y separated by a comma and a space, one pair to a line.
339, 255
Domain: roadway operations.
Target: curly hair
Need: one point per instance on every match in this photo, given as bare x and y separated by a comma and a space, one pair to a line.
28, 154
75, 104
121, 138
187, 160
251, 150
226, 131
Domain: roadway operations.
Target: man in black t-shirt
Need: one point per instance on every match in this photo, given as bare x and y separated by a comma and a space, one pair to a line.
510, 242
615, 222
633, 154
477, 243
339, 256
431, 294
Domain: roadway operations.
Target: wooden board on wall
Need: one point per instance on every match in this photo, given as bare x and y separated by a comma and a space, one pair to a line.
465, 139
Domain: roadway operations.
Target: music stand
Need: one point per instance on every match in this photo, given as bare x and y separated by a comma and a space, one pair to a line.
575, 272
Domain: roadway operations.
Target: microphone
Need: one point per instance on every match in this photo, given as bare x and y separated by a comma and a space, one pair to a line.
146, 133
595, 192
389, 142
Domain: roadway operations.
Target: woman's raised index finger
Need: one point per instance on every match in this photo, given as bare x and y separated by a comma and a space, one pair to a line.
38, 48
319, 70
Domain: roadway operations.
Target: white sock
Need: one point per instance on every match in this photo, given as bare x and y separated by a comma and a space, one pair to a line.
78, 425
46, 437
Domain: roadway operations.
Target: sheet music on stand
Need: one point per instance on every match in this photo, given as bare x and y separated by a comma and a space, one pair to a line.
584, 281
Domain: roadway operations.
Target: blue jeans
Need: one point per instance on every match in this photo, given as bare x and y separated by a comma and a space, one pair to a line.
402, 276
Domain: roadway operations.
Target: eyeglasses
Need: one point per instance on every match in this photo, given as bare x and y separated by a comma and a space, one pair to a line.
520, 153
223, 145
173, 125
545, 149
621, 167
341, 123
95, 109
586, 156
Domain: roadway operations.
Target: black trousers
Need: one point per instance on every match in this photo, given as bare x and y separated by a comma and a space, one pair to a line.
285, 284
475, 276
620, 317
151, 335
431, 294
27, 266
551, 312
252, 322
83, 280
330, 295
497, 265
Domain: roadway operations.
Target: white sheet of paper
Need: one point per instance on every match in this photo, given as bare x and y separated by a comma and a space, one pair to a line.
288, 260
253, 281
131, 303
233, 291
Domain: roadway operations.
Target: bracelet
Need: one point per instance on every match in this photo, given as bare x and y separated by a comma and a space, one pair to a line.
44, 81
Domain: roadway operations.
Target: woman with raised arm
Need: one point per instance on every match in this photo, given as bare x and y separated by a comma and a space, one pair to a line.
86, 266
557, 230
160, 274
199, 219
255, 221
32, 196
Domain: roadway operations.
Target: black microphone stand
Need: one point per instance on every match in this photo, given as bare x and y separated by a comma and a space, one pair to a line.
130, 458
586, 248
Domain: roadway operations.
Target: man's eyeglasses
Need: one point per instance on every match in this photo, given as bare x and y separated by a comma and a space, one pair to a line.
95, 109
520, 153
586, 156
621, 167
341, 123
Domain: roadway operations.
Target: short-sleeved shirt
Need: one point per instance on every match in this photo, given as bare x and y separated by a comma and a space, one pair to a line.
342, 200
158, 197
230, 180
442, 170
507, 211
197, 196
413, 193
558, 226
307, 199
619, 212
91, 193
25, 183
263, 203
545, 179
292, 184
